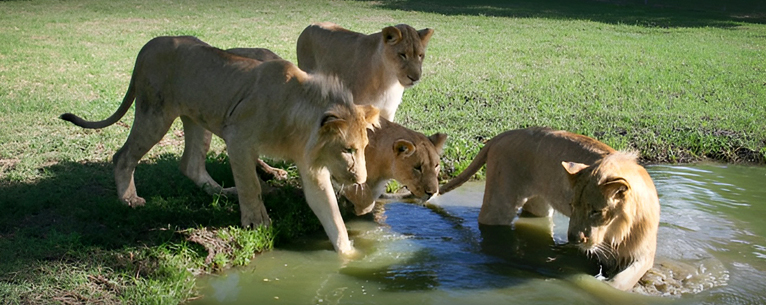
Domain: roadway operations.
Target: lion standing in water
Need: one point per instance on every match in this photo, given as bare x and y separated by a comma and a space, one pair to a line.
610, 199
270, 108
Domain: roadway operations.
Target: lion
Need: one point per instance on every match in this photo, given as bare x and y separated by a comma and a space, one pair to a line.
610, 199
393, 152
258, 108
376, 67
396, 152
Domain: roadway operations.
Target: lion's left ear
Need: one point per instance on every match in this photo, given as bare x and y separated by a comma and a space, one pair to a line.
438, 140
331, 122
425, 35
614, 188
371, 115
573, 168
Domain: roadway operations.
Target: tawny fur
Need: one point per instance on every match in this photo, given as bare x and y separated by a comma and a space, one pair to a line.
376, 67
396, 152
524, 171
270, 108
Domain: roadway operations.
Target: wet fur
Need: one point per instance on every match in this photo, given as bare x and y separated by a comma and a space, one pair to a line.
524, 171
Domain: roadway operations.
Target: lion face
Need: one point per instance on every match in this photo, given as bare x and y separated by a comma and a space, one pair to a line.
601, 207
344, 137
417, 165
405, 49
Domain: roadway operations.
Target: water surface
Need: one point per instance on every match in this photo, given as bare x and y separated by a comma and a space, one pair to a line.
711, 250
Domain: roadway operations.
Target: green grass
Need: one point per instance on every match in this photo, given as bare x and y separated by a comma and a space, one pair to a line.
677, 80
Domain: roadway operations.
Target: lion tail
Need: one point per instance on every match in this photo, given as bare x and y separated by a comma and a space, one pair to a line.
468, 172
130, 96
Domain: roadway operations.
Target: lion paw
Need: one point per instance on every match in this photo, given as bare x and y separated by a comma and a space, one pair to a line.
252, 218
134, 201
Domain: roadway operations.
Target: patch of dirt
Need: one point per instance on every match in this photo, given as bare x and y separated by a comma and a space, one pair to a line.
211, 241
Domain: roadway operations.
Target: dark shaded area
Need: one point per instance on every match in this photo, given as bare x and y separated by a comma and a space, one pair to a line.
649, 13
75, 208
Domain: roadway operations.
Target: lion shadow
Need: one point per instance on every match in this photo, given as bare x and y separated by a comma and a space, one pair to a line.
663, 14
74, 207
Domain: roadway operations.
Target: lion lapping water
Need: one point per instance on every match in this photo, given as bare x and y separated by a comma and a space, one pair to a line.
610, 200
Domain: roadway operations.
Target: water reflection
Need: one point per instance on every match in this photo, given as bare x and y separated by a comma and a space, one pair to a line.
710, 251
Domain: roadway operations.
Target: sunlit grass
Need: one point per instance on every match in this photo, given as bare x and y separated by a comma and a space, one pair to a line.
676, 80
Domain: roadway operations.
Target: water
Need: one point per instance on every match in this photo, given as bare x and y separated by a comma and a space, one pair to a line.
711, 250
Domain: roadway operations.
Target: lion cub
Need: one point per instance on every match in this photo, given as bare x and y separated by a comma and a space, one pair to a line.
270, 108
610, 200
399, 153
376, 67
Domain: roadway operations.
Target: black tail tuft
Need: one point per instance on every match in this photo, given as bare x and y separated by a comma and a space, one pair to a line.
68, 117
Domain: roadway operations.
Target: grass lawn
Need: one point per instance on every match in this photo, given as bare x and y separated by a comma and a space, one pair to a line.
679, 81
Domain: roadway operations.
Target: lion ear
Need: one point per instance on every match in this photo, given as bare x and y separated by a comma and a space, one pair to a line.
404, 148
371, 115
573, 168
331, 122
438, 140
391, 35
425, 35
615, 188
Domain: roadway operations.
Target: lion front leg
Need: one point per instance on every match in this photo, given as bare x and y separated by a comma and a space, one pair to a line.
627, 278
320, 196
248, 185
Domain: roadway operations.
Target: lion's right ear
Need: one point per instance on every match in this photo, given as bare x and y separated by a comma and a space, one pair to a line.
391, 35
404, 148
573, 168
371, 115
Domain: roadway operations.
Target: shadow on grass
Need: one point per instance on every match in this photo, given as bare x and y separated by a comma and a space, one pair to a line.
649, 13
75, 208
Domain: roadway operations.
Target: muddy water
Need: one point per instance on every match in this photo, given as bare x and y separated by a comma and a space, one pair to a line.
711, 250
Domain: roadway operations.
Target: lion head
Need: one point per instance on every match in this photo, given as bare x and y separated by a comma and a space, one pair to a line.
615, 210
417, 164
342, 136
405, 49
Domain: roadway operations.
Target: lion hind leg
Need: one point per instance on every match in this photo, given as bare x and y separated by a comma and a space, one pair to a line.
196, 145
276, 173
147, 131
501, 198
537, 207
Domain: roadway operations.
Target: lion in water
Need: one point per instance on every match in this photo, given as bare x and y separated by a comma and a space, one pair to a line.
610, 199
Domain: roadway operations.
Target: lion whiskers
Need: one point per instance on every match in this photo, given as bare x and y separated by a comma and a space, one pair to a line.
603, 251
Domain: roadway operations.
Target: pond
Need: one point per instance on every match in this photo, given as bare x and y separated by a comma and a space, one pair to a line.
711, 250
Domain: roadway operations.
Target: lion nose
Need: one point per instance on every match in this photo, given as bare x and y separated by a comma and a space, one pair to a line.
577, 238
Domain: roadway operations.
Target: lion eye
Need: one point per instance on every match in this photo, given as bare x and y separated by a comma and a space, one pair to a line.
596, 213
350, 150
